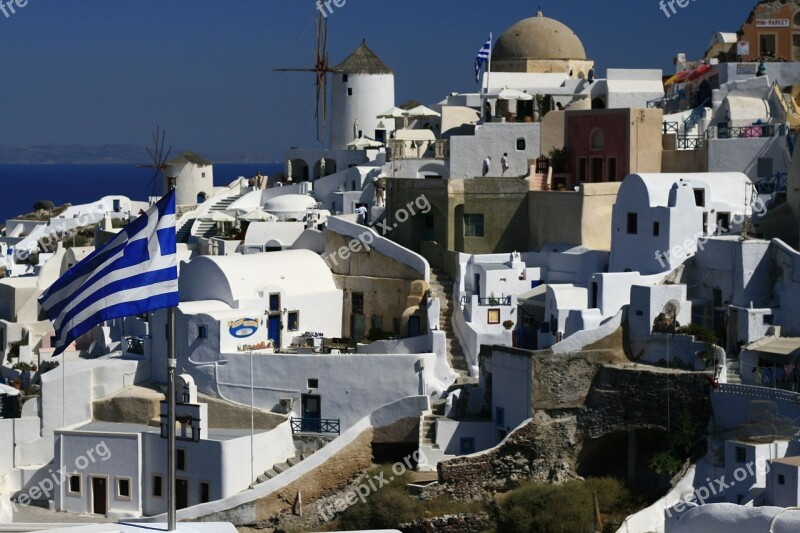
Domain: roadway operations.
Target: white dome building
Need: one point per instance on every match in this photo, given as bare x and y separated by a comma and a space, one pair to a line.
363, 88
290, 206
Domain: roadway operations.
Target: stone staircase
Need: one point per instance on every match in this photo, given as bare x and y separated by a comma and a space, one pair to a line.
733, 371
185, 231
206, 228
442, 287
283, 467
427, 438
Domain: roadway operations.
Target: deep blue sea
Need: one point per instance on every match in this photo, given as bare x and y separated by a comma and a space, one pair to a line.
23, 185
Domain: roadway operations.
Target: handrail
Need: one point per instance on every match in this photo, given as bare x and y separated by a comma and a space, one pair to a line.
316, 425
694, 117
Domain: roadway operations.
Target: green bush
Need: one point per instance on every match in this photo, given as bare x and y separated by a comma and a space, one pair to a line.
542, 508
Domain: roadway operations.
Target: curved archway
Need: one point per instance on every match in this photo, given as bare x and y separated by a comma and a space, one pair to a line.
299, 170
797, 19
202, 197
598, 103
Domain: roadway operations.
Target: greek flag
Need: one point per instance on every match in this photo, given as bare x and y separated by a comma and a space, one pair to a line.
481, 58
136, 272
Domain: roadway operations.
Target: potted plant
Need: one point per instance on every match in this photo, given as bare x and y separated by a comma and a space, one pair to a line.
508, 324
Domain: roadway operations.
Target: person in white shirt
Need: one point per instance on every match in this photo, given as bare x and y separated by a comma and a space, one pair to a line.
487, 165
504, 163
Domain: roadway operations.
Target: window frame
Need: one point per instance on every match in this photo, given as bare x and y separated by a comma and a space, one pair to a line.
118, 486
181, 459
160, 485
471, 226
79, 477
296, 314
632, 223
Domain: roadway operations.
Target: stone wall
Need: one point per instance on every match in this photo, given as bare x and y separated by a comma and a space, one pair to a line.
460, 523
577, 398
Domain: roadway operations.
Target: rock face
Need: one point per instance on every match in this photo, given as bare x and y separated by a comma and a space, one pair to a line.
577, 399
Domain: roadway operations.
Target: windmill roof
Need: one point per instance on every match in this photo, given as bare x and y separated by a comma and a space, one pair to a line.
363, 61
189, 157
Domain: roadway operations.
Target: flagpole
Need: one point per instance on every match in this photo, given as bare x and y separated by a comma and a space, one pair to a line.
489, 65
172, 363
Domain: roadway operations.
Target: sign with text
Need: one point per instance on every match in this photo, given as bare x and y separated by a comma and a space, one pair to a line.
747, 68
772, 23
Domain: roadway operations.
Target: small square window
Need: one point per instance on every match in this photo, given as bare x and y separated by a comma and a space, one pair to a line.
158, 486
358, 303
313, 383
203, 175
494, 316
294, 321
499, 417
473, 226
274, 302
521, 144
741, 455
344, 78
633, 224
180, 462
202, 332
700, 197
349, 91
656, 229
781, 479
123, 488
75, 484
467, 445
205, 492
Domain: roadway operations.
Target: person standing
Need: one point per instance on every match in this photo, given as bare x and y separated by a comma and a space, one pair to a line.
361, 211
504, 163
487, 165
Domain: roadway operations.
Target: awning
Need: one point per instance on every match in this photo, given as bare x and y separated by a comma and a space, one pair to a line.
776, 345
421, 112
699, 71
414, 135
510, 94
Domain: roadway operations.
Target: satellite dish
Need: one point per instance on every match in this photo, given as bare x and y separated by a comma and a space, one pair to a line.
672, 308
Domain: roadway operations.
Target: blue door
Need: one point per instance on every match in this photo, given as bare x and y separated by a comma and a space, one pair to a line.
312, 413
274, 330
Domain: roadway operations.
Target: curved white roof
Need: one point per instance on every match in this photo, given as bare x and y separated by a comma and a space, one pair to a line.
242, 277
289, 203
726, 187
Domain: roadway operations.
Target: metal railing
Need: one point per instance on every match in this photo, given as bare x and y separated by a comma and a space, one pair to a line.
694, 117
691, 142
742, 132
316, 425
135, 345
670, 127
504, 301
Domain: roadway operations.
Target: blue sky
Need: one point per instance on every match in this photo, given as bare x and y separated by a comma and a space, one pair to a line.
108, 71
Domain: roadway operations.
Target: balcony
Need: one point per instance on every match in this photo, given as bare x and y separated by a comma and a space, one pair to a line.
399, 149
492, 301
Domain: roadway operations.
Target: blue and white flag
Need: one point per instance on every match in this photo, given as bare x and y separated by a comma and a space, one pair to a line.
481, 58
135, 272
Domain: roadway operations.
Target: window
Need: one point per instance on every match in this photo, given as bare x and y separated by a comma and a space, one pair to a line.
467, 445
633, 223
344, 78
349, 91
473, 225
700, 197
358, 303
765, 166
581, 169
597, 140
612, 169
294, 320
494, 316
157, 486
741, 454
797, 19
766, 44
203, 175
274, 302
377, 323
313, 383
75, 484
521, 144
123, 488
656, 229
205, 492
723, 222
781, 479
202, 332
180, 456
499, 417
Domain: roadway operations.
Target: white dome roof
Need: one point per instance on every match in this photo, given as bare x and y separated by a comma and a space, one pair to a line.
289, 203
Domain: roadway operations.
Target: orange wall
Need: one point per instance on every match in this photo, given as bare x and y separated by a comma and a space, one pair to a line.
783, 36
